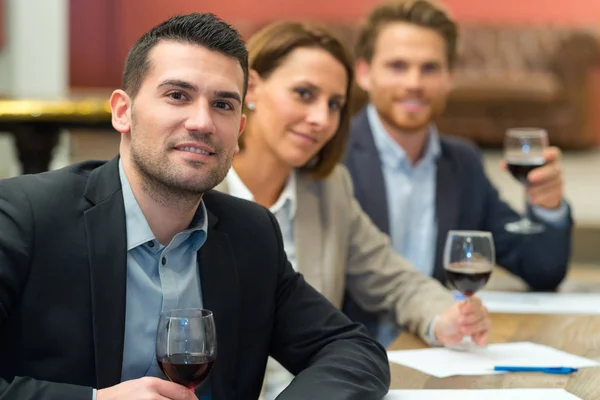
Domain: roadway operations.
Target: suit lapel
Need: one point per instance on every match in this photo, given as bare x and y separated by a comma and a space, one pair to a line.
221, 295
308, 235
107, 249
365, 166
446, 204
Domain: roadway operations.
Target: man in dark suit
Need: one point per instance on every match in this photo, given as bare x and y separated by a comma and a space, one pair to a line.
416, 184
91, 254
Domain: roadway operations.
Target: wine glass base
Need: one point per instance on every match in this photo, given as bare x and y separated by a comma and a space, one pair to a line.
524, 227
467, 344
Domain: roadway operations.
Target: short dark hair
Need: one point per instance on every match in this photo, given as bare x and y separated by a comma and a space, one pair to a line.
426, 14
203, 29
269, 48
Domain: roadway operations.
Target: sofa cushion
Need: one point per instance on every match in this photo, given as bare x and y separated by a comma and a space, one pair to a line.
502, 86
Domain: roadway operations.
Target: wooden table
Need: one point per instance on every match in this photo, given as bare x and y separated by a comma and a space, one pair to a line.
581, 278
36, 124
578, 335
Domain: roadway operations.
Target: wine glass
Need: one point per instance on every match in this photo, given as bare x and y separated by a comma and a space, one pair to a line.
186, 345
524, 151
469, 258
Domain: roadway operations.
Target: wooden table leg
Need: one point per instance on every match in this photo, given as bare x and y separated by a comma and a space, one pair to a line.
35, 144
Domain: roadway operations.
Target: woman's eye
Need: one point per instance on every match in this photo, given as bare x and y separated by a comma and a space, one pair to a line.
305, 94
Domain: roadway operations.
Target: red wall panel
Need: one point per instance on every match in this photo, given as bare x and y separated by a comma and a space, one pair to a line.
103, 30
2, 26
92, 44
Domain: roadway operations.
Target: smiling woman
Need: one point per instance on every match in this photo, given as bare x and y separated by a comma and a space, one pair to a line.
305, 73
298, 119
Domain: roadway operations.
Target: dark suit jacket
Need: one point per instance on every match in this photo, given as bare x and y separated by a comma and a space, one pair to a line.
62, 297
465, 199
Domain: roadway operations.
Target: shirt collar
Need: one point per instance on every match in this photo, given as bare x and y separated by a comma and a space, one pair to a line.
138, 230
391, 153
237, 188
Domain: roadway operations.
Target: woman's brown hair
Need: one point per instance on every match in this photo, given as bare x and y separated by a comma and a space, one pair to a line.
268, 48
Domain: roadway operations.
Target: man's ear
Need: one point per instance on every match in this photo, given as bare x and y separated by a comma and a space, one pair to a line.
242, 127
363, 74
120, 106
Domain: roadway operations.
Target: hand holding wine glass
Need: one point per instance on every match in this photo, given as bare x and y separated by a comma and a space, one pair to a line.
524, 151
461, 321
469, 258
146, 388
186, 345
545, 188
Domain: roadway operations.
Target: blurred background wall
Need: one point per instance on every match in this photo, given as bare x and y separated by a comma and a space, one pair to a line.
101, 32
1, 22
96, 59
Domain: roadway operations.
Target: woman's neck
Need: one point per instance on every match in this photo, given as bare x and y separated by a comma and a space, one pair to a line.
262, 173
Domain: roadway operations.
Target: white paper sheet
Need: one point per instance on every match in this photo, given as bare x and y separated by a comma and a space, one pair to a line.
444, 362
541, 303
487, 394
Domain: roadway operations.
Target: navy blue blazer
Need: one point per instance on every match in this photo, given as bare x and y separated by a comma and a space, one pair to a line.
465, 199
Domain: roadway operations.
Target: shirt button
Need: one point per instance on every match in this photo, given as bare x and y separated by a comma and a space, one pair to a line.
164, 260
151, 244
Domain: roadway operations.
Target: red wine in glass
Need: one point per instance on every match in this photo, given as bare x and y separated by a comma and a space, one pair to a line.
186, 345
524, 151
189, 370
468, 278
469, 258
521, 168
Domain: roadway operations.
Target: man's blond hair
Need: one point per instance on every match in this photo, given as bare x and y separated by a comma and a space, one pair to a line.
422, 13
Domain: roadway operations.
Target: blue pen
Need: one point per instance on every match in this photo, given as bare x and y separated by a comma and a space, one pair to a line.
547, 370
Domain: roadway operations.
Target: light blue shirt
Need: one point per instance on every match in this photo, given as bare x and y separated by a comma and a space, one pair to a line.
284, 209
159, 278
411, 194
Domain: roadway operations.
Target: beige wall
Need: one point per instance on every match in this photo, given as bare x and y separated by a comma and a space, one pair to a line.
34, 63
